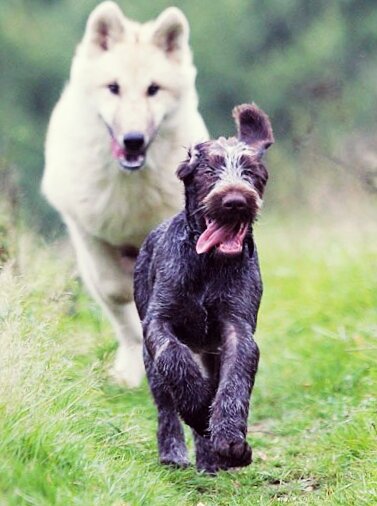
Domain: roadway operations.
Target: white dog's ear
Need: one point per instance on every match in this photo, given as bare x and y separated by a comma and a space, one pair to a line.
253, 127
105, 26
171, 32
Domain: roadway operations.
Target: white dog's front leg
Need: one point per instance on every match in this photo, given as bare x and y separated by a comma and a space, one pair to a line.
128, 368
101, 270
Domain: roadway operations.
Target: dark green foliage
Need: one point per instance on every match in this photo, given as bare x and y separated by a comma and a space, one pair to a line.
311, 65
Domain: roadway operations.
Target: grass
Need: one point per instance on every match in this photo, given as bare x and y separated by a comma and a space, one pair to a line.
69, 437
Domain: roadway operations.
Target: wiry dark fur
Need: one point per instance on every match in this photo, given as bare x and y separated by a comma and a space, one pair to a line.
199, 312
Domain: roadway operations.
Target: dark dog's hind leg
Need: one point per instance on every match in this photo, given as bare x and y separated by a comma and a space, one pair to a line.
207, 459
171, 442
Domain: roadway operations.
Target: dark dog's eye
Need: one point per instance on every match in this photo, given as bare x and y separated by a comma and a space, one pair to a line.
114, 88
153, 89
208, 171
248, 172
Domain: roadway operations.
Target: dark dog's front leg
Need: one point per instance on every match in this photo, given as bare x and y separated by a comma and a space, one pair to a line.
191, 390
228, 424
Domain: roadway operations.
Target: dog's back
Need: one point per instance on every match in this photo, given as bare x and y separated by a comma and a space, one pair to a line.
145, 268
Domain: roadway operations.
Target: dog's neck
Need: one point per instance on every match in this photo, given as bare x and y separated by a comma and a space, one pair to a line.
194, 221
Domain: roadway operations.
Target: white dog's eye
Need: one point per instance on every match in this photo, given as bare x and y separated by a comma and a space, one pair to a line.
153, 89
114, 88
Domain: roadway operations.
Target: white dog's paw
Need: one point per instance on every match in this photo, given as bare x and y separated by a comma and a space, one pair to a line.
128, 369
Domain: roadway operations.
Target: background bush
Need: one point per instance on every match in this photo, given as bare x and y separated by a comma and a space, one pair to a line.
311, 65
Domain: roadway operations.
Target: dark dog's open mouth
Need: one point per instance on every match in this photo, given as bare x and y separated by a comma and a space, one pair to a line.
228, 239
127, 160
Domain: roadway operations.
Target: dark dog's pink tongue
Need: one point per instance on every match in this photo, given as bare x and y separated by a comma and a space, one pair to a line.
227, 240
212, 236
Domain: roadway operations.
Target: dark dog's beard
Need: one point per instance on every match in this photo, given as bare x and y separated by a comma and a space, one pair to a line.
228, 238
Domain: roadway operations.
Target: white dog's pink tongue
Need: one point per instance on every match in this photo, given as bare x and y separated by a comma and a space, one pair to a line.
227, 241
116, 149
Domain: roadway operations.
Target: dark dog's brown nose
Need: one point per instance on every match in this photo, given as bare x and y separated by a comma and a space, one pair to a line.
234, 201
133, 141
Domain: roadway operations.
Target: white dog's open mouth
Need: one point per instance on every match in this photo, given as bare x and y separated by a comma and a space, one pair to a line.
127, 160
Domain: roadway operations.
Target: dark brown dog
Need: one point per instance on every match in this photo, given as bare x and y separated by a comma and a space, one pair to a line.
198, 290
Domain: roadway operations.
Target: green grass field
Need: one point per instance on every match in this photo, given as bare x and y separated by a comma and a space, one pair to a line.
70, 437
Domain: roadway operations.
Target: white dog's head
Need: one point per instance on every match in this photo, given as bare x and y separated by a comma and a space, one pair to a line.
137, 76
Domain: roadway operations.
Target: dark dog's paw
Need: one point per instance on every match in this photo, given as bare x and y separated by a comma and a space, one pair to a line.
233, 453
176, 365
207, 461
174, 461
210, 468
172, 451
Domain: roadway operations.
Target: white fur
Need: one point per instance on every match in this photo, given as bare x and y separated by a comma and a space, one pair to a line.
232, 150
231, 173
103, 207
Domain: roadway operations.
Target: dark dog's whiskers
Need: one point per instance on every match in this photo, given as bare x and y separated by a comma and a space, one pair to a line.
201, 209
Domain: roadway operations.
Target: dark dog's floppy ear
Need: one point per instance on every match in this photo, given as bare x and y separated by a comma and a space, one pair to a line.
186, 168
253, 126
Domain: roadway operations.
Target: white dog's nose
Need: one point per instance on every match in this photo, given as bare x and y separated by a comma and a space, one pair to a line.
133, 141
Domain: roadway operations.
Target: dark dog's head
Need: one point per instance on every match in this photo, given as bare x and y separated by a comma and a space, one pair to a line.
224, 181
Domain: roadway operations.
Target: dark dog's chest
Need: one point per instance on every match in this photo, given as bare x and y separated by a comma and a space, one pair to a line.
200, 328
207, 295
198, 323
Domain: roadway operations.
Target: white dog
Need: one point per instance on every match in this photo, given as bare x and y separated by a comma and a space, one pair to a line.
114, 141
